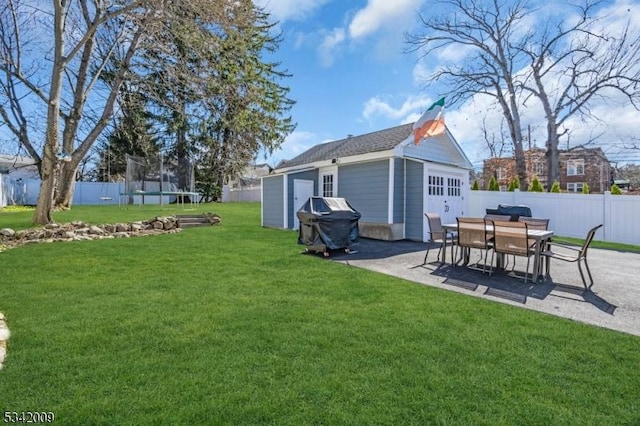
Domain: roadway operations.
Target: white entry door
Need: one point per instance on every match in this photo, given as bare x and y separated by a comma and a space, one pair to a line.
443, 194
302, 191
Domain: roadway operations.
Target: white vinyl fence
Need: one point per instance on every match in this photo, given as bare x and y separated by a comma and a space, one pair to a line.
14, 191
4, 182
572, 215
246, 193
25, 192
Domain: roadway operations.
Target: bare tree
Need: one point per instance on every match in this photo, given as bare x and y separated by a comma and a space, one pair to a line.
489, 32
574, 64
63, 92
496, 141
62, 68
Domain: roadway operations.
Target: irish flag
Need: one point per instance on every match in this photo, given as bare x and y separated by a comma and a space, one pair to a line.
431, 123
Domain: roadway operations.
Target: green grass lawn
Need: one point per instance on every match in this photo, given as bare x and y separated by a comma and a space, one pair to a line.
232, 325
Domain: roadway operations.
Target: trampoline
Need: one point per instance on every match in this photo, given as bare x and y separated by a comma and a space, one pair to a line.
157, 180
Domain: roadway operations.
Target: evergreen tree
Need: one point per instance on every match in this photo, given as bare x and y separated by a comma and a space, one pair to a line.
493, 184
535, 185
555, 188
252, 109
475, 186
514, 184
585, 188
132, 135
216, 96
615, 190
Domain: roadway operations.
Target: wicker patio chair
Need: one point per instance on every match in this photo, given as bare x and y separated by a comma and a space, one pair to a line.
572, 254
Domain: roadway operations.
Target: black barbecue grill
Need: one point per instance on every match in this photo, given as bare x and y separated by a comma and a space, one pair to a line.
328, 223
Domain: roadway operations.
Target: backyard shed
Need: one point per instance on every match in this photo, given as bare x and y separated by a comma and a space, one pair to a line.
390, 180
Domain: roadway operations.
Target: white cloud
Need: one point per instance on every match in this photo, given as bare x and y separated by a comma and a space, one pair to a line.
421, 72
617, 15
294, 144
284, 10
382, 13
329, 45
455, 53
411, 118
377, 107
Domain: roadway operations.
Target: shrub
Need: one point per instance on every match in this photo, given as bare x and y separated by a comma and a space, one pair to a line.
615, 190
555, 188
514, 184
475, 186
493, 184
585, 188
535, 185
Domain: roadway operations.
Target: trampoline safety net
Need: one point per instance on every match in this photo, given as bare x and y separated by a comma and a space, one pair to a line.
159, 175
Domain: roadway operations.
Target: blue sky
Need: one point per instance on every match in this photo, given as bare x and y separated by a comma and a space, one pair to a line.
351, 75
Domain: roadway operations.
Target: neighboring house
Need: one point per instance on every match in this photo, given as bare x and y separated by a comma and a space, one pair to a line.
18, 167
386, 177
246, 186
577, 167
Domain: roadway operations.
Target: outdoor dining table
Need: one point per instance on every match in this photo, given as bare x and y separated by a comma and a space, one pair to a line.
539, 236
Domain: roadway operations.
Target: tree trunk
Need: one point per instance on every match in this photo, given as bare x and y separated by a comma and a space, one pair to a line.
512, 114
42, 214
552, 155
65, 185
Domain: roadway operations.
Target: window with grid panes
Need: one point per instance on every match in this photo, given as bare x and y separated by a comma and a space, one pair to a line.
538, 168
436, 185
574, 186
327, 185
453, 187
575, 167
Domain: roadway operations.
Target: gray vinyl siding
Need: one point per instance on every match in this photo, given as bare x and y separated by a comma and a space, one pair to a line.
366, 187
273, 202
415, 200
398, 191
307, 175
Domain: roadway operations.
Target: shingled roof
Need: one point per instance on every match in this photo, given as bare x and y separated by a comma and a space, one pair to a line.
381, 140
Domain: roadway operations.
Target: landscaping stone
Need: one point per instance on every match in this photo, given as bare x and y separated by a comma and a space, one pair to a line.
213, 218
4, 336
7, 232
81, 231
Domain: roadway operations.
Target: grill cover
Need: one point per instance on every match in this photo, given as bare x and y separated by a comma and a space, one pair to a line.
514, 211
328, 223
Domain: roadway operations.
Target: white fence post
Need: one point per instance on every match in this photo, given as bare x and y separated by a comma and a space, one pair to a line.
3, 201
606, 214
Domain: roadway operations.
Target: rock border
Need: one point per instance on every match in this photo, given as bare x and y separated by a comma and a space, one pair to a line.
81, 231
